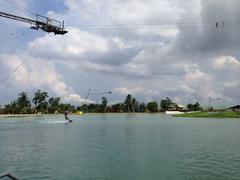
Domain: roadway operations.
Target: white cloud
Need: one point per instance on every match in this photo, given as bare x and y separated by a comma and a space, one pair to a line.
193, 74
199, 81
38, 73
227, 62
124, 12
136, 91
75, 44
185, 62
228, 75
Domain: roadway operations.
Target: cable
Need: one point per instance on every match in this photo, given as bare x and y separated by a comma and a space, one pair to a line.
141, 27
18, 8
162, 24
21, 8
20, 43
7, 5
222, 24
85, 6
19, 66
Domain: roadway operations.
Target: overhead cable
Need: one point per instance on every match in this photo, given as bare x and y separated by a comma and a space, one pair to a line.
84, 6
21, 8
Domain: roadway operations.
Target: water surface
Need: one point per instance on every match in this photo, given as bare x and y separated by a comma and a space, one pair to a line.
128, 146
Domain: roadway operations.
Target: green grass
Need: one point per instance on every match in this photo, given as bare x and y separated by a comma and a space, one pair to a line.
210, 115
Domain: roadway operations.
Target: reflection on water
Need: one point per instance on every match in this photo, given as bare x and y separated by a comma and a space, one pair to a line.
120, 147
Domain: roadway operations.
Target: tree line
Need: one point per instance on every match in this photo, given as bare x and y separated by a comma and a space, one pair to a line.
42, 103
131, 105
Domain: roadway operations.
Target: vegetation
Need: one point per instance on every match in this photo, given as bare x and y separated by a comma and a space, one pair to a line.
23, 104
168, 105
152, 107
42, 103
53, 104
104, 104
226, 114
194, 107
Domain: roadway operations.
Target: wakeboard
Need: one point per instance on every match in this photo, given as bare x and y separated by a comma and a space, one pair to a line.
69, 121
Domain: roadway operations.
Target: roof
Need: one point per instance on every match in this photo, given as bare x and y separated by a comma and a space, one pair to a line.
235, 107
181, 106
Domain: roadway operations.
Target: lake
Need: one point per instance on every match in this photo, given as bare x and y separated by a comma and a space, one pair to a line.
127, 146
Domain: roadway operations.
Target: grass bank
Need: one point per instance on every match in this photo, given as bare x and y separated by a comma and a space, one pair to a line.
210, 115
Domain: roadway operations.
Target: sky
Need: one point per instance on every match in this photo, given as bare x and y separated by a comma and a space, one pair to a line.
150, 49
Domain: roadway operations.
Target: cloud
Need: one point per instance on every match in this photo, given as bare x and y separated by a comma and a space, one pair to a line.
228, 75
227, 63
73, 45
135, 91
29, 75
149, 48
141, 93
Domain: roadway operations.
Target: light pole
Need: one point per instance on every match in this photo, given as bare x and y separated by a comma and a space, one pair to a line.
210, 100
90, 92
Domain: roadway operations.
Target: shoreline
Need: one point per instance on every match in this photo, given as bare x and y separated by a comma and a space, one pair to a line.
184, 115
18, 115
73, 114
219, 115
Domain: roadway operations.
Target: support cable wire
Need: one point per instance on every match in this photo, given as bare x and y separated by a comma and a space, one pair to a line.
183, 25
11, 54
7, 4
20, 44
18, 67
85, 6
21, 8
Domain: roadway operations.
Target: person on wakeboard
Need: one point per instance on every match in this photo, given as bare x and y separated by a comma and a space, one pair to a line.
66, 116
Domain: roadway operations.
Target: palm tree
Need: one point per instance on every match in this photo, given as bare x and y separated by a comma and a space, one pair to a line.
128, 102
40, 102
53, 104
166, 104
11, 108
23, 103
135, 105
142, 107
104, 104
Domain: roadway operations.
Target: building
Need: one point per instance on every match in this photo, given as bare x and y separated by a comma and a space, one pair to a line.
235, 108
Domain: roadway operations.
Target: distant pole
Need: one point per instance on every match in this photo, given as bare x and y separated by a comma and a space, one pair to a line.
210, 100
90, 92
